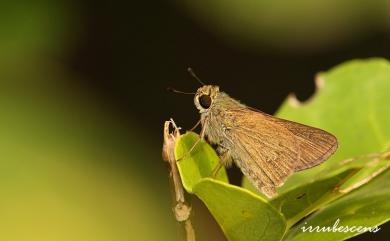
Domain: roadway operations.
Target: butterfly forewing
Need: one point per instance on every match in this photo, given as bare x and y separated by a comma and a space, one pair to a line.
269, 149
315, 145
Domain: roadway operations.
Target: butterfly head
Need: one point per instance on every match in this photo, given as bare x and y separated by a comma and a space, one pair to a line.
205, 97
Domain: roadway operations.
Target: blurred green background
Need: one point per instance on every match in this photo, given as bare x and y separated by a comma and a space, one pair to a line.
83, 100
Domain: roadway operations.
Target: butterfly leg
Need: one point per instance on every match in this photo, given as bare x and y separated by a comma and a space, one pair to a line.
225, 160
194, 145
196, 125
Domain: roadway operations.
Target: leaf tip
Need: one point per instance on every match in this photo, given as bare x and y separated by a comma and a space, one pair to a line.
319, 82
293, 101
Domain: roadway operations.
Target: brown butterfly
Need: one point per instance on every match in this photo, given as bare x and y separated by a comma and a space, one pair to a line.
267, 149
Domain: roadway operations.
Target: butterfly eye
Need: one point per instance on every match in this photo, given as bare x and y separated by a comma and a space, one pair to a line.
205, 101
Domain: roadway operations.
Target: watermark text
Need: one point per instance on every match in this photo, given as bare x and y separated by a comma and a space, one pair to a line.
338, 228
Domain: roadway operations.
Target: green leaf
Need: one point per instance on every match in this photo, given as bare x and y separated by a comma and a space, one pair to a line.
367, 206
197, 164
307, 198
241, 214
370, 167
350, 103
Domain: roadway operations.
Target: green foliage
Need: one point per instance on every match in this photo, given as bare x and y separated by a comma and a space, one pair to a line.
241, 213
367, 206
199, 164
352, 104
351, 186
251, 216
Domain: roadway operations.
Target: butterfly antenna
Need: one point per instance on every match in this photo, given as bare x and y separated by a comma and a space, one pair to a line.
170, 89
194, 75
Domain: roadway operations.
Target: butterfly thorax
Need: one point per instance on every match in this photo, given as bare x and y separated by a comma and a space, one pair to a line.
218, 119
